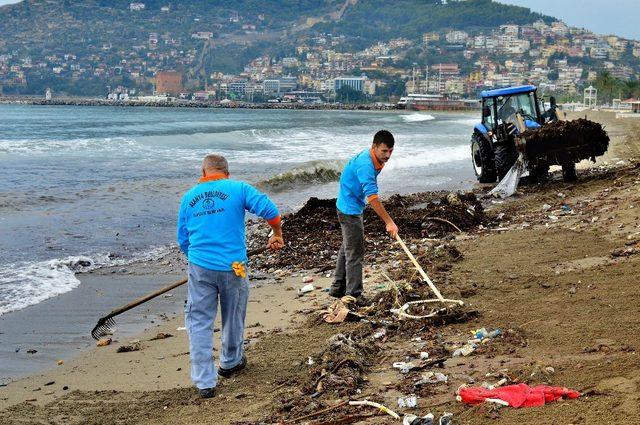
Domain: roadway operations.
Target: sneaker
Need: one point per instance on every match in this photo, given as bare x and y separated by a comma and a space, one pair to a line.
207, 392
225, 373
336, 292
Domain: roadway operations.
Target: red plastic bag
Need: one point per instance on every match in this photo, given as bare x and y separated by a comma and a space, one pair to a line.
520, 395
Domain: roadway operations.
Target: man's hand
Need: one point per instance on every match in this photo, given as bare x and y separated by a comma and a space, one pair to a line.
275, 243
392, 229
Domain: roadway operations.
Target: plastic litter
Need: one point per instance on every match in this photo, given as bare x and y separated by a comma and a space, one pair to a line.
410, 401
416, 420
509, 183
465, 350
404, 367
306, 289
432, 378
307, 279
520, 395
380, 333
446, 418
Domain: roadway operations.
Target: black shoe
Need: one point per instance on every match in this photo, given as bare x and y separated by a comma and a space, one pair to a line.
207, 392
336, 292
362, 301
225, 373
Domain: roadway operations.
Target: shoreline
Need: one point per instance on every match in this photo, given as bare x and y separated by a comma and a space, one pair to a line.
624, 148
180, 103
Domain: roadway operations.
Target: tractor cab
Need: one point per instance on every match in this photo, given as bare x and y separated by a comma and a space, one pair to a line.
500, 108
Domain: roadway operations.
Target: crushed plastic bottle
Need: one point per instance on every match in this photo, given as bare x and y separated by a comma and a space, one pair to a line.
380, 333
416, 420
465, 350
432, 378
410, 401
404, 367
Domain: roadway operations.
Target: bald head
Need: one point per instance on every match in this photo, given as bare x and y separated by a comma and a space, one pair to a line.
212, 164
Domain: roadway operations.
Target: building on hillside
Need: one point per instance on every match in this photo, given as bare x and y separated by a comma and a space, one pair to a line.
238, 87
288, 84
136, 6
271, 87
355, 83
168, 82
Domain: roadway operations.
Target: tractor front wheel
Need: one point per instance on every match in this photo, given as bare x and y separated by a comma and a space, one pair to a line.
483, 163
505, 158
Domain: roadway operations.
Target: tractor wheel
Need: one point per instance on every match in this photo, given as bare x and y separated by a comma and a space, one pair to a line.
569, 171
505, 158
482, 159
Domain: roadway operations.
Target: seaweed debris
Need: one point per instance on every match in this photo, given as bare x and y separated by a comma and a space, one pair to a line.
583, 137
313, 236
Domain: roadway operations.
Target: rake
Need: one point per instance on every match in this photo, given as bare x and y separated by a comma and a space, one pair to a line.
402, 311
106, 324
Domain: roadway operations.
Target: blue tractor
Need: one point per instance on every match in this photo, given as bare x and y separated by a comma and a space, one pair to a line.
507, 113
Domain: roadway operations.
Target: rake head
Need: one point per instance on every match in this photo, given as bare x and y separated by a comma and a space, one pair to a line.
103, 328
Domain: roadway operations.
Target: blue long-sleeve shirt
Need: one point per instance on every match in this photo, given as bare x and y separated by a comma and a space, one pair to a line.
358, 183
211, 221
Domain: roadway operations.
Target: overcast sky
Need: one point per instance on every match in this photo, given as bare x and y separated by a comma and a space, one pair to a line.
619, 17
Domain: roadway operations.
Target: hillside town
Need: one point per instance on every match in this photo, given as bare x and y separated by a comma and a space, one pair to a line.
455, 64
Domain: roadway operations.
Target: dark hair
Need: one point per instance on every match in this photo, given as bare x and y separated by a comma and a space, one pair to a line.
552, 100
384, 136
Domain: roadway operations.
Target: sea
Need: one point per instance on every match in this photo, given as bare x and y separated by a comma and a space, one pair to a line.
87, 187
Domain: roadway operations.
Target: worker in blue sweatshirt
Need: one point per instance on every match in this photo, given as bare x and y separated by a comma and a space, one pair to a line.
211, 233
358, 185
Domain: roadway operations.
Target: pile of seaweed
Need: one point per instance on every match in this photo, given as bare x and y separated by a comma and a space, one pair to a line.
313, 236
585, 138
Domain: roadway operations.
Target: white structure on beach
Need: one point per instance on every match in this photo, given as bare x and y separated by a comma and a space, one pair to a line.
590, 97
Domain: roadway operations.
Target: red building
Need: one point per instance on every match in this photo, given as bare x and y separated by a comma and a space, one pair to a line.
168, 82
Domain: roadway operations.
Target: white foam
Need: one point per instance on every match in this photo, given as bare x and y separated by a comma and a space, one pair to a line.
429, 156
28, 283
417, 117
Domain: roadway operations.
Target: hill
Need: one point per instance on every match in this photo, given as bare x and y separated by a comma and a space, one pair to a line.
81, 46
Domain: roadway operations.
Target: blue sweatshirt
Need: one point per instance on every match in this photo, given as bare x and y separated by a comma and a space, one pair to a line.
211, 221
358, 183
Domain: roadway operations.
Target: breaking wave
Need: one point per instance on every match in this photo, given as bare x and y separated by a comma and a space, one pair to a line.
417, 117
28, 283
310, 173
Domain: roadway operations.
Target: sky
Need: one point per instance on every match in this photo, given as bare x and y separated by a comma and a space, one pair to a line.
619, 17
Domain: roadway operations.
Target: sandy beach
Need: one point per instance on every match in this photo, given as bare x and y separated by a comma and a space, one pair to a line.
555, 268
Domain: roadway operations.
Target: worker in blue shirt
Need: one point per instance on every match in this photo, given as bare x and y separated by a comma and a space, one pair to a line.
211, 233
358, 185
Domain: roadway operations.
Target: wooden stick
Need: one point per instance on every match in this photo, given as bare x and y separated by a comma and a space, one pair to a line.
314, 414
442, 220
419, 268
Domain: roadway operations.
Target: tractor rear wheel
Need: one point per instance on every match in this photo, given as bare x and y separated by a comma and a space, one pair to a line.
482, 159
505, 158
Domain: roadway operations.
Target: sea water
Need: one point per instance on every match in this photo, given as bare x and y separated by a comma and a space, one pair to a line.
85, 187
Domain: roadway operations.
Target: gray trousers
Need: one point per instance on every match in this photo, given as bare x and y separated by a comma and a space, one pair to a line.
206, 289
348, 276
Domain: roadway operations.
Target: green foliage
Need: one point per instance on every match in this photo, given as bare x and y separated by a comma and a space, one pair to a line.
382, 19
348, 95
610, 88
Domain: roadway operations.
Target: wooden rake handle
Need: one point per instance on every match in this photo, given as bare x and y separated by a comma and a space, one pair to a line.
167, 288
419, 268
